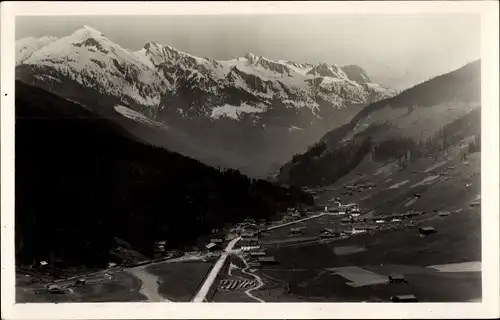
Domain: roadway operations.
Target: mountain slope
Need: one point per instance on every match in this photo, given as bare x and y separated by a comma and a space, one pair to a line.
408, 122
26, 46
274, 105
82, 179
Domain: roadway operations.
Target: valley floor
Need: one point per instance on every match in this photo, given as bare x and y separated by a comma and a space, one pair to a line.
441, 267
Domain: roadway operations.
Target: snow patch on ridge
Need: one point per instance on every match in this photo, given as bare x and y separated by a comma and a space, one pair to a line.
234, 112
136, 116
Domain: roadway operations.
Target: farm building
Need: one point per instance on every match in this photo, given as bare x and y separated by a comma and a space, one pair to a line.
80, 282
348, 232
332, 232
55, 289
296, 230
257, 254
426, 230
444, 213
267, 260
160, 246
250, 247
217, 240
363, 227
397, 278
475, 204
246, 243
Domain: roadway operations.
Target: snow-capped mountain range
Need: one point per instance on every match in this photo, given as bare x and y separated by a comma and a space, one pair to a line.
179, 89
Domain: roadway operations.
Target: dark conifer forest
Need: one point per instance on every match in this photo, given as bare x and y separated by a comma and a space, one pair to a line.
81, 180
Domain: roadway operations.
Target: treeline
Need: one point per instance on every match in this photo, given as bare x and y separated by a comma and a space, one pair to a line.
322, 165
406, 150
329, 165
81, 181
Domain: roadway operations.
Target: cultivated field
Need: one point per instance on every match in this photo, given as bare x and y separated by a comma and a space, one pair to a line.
325, 271
440, 267
180, 281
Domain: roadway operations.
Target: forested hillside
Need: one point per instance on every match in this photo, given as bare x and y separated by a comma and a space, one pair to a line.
420, 122
81, 181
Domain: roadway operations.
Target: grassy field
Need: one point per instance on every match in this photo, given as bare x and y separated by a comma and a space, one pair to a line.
317, 286
316, 272
404, 251
458, 184
404, 246
121, 287
180, 281
311, 228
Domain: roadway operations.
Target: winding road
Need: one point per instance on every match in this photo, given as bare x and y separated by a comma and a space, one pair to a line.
259, 280
205, 288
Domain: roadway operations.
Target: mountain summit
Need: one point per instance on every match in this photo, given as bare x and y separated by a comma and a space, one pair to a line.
209, 100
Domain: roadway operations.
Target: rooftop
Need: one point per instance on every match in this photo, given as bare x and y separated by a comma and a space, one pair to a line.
267, 259
211, 245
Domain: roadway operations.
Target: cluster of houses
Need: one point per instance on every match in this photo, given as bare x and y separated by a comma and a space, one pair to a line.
396, 217
294, 214
341, 209
159, 250
249, 229
215, 244
249, 239
250, 244
342, 233
259, 258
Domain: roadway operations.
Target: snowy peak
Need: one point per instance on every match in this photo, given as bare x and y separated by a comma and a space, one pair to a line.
26, 46
356, 73
160, 77
325, 70
87, 32
297, 65
274, 66
163, 54
252, 58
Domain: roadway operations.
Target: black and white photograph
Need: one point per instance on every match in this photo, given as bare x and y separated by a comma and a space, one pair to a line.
258, 157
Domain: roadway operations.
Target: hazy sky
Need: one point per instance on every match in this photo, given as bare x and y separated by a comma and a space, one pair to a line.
398, 50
